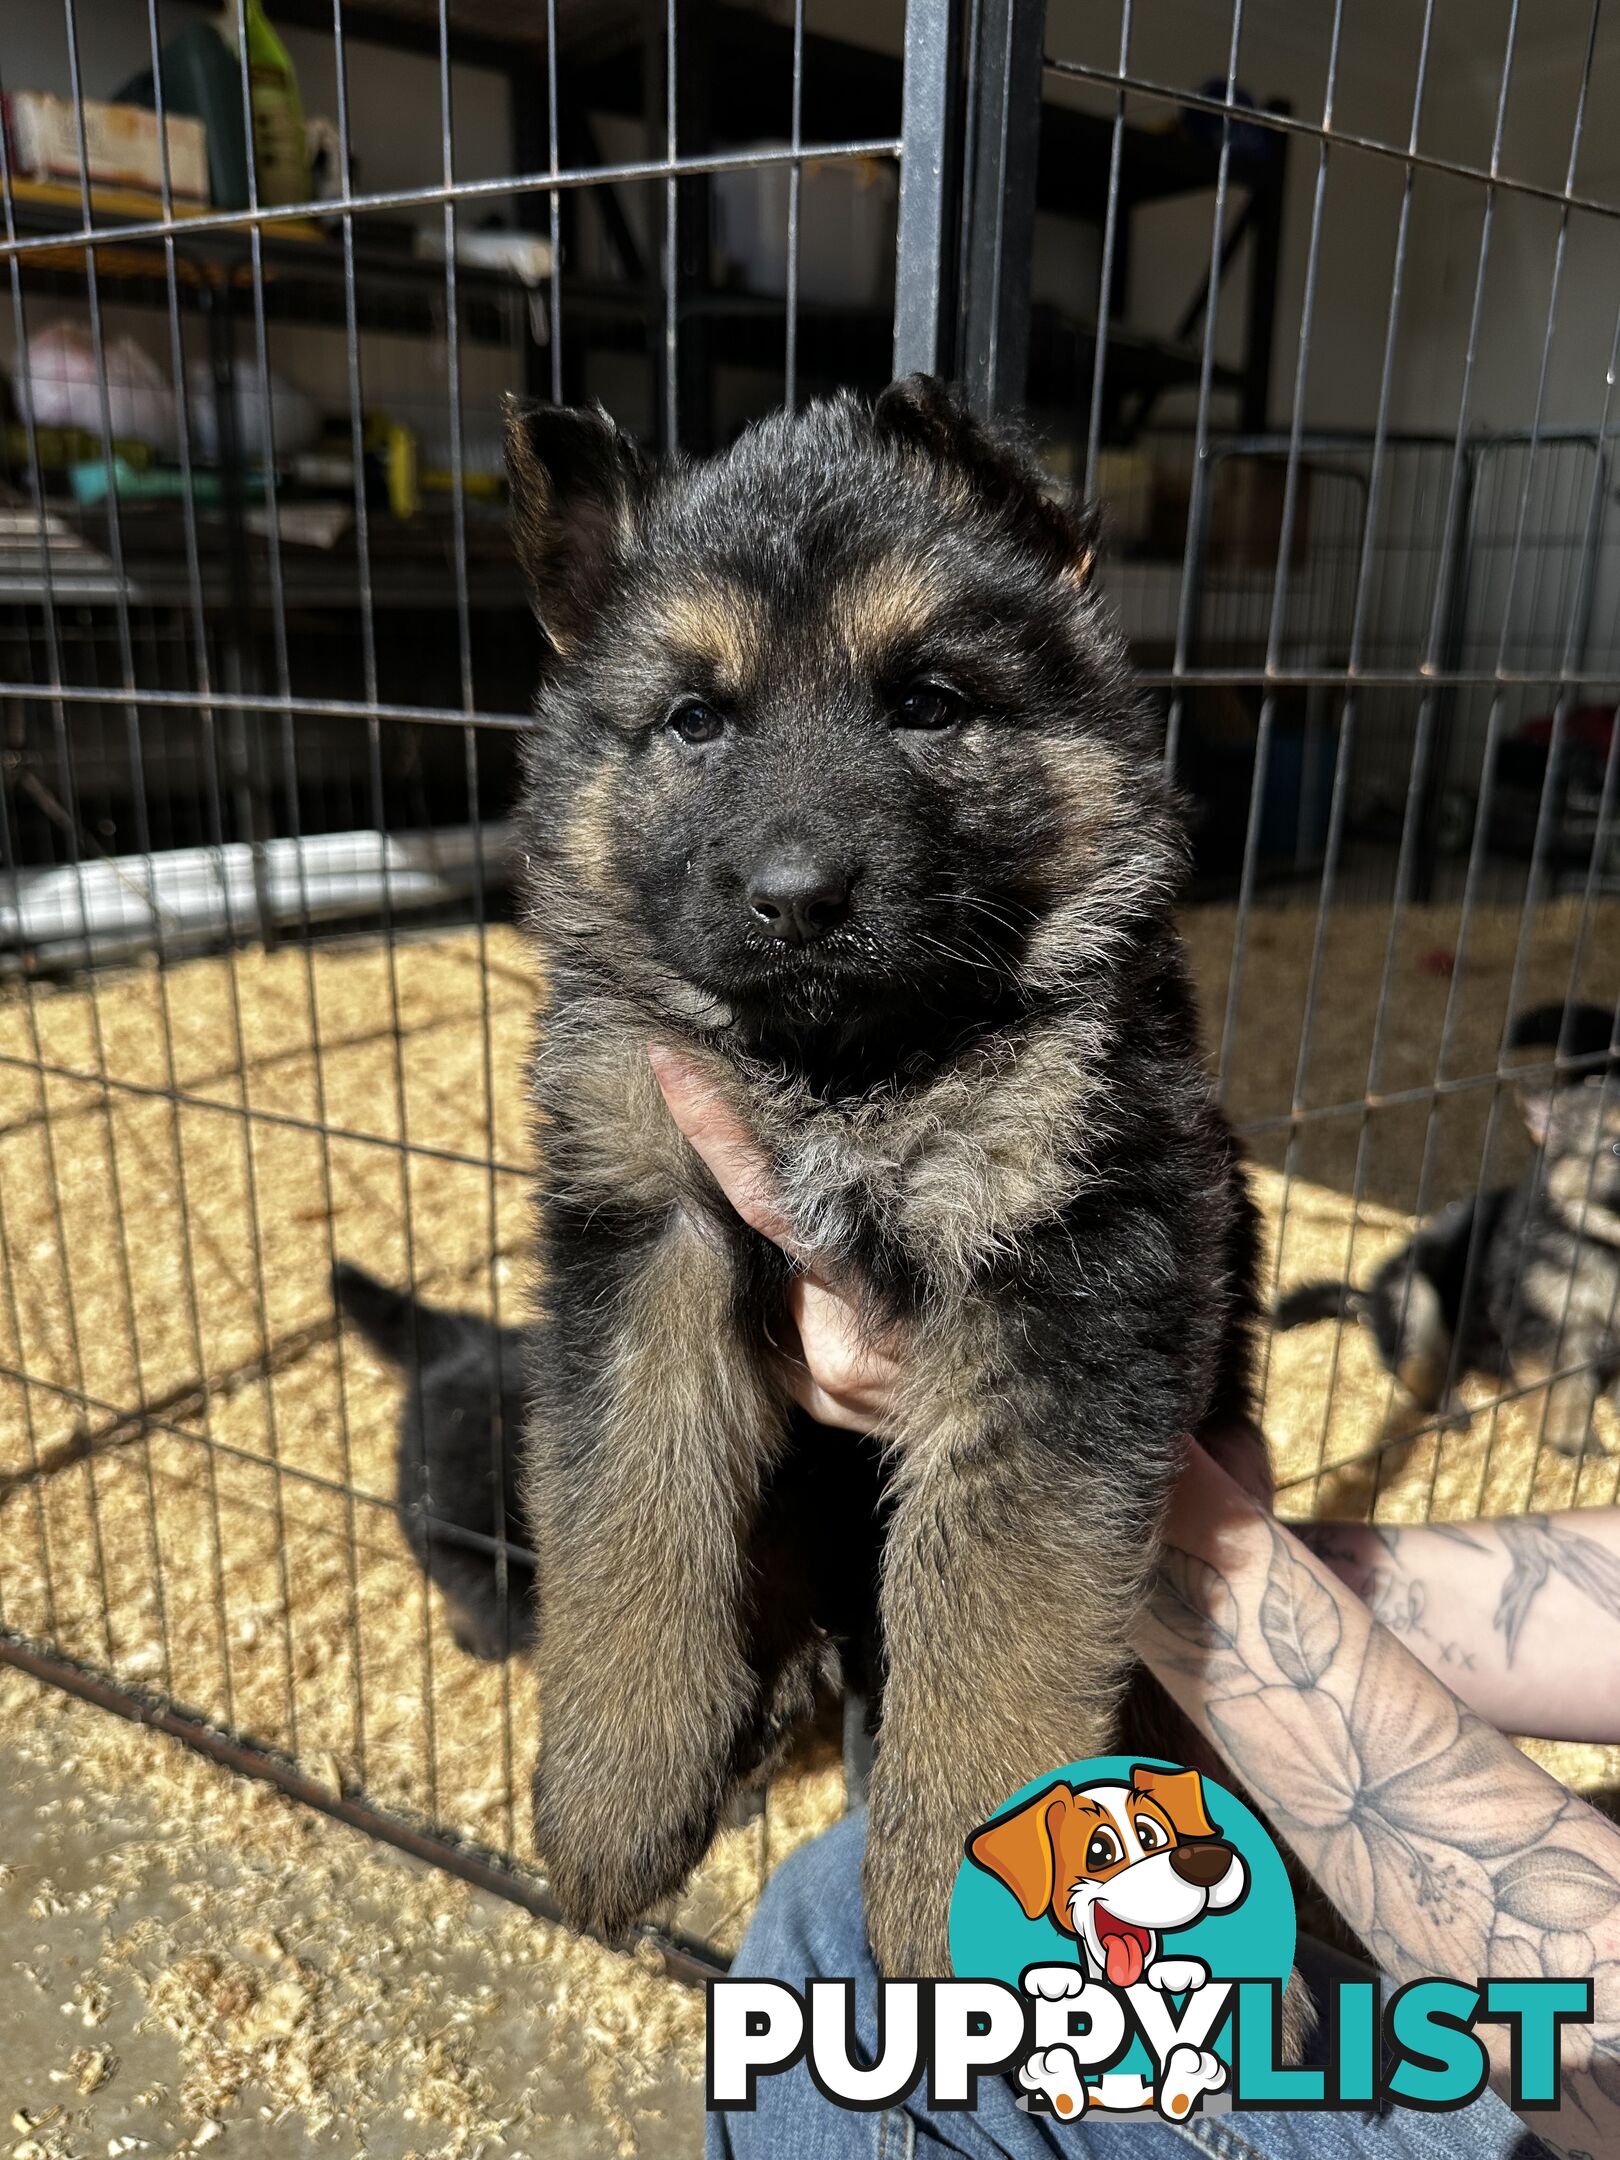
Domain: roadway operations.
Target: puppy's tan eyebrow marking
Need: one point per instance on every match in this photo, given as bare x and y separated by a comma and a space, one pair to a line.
884, 605
717, 626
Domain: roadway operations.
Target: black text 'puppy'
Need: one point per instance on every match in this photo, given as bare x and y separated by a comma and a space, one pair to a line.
840, 782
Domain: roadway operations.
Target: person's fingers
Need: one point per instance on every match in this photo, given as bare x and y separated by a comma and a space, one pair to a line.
845, 1364
835, 1370
826, 1335
835, 1346
824, 1408
735, 1162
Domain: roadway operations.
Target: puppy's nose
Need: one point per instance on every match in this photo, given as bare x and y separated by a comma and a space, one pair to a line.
798, 896
1201, 1865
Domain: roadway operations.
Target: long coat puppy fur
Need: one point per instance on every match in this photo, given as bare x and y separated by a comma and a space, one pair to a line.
839, 782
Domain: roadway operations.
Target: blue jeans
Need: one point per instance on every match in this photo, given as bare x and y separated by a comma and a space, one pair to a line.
810, 1925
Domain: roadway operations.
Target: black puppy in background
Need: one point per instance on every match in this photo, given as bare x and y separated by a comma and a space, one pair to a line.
840, 783
465, 1397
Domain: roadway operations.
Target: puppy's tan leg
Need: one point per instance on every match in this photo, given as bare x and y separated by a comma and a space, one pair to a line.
1419, 1352
1571, 1401
1299, 2019
644, 1475
1006, 1603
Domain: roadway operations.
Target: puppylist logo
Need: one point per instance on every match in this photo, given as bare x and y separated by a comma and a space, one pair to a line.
1121, 1934
1120, 1900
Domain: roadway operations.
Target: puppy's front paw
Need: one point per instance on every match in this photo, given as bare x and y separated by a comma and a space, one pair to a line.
1053, 1983
607, 1860
907, 1889
1189, 2072
1299, 2020
1174, 1976
1054, 2073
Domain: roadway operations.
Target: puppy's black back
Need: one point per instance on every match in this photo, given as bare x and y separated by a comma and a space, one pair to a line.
1579, 1030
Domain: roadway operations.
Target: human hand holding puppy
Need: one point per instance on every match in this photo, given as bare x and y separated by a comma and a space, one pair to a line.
839, 1372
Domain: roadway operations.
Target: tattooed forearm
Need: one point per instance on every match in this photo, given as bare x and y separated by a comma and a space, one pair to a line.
1494, 1608
1444, 1848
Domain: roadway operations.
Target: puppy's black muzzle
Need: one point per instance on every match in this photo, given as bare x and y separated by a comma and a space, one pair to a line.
798, 895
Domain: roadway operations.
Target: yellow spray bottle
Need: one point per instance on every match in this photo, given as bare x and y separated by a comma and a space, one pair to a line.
279, 152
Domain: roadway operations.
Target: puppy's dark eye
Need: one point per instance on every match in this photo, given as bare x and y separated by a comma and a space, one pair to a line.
1151, 1833
929, 705
695, 722
1102, 1850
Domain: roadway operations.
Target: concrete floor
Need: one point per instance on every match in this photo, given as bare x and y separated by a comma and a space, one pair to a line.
196, 1964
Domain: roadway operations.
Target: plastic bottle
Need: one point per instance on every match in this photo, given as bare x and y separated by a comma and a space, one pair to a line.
202, 80
279, 152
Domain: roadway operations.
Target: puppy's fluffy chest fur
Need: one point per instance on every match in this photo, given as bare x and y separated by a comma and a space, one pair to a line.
944, 1171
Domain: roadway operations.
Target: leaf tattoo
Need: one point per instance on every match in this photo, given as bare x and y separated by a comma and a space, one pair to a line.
1552, 1887
1606, 2071
1195, 1602
1303, 1745
1393, 1794
1298, 1619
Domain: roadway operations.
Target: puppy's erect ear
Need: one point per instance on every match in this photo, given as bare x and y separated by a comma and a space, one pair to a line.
1570, 1118
922, 410
995, 469
578, 485
1017, 1848
1181, 1794
1536, 1108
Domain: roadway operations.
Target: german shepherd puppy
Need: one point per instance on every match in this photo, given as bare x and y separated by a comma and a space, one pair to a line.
1521, 1282
1422, 1305
463, 1413
839, 781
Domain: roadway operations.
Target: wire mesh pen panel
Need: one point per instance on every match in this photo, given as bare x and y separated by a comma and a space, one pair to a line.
1322, 306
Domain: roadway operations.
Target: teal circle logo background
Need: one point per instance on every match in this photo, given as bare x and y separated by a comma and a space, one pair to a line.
992, 1940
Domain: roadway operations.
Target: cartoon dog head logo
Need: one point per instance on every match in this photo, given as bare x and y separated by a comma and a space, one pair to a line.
1116, 1865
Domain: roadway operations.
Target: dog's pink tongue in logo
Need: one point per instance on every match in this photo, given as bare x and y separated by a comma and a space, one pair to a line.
1124, 1948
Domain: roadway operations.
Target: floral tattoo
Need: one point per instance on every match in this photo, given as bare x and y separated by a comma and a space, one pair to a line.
1445, 1850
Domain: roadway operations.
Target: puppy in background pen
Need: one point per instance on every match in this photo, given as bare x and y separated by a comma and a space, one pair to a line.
1520, 1283
840, 789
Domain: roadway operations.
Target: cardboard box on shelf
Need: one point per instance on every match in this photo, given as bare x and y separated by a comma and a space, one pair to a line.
1244, 509
122, 145
1246, 513
846, 229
